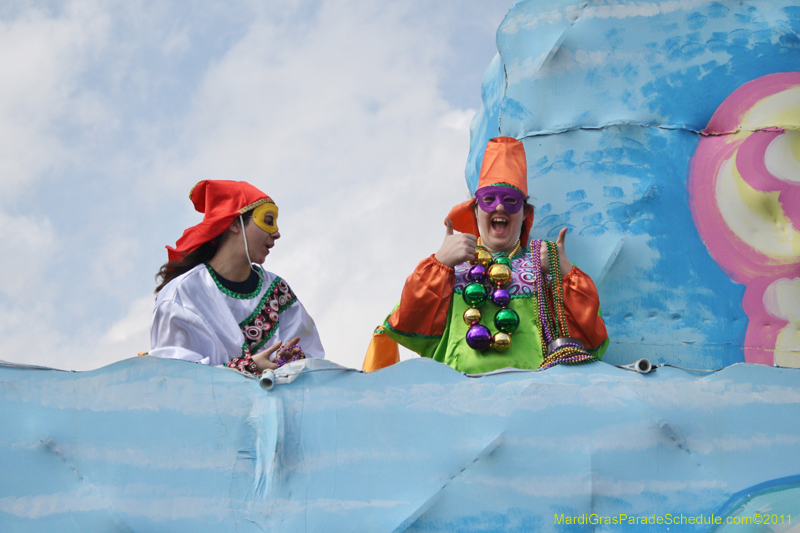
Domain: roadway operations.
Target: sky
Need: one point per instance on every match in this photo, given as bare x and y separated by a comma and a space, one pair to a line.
352, 114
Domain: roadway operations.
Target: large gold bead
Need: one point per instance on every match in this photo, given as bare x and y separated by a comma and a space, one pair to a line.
472, 315
499, 274
501, 341
484, 256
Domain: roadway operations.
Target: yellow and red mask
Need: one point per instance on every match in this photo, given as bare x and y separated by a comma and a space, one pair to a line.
266, 216
221, 202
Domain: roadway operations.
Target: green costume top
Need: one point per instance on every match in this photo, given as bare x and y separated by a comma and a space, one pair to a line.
429, 318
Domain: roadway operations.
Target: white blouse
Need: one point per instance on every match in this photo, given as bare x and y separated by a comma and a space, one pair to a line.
197, 319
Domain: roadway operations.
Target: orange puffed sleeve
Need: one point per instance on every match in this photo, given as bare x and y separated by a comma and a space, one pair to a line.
581, 305
425, 300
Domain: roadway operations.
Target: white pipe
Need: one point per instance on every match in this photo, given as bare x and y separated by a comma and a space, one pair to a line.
643, 366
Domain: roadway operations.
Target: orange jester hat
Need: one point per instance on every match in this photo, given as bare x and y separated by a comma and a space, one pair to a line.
503, 164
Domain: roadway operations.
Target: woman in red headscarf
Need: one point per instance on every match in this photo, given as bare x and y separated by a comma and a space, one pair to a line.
215, 304
489, 299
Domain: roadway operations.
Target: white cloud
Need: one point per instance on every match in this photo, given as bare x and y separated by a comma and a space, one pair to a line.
134, 324
458, 120
40, 58
127, 337
29, 244
580, 485
641, 9
83, 499
356, 146
165, 503
609, 393
527, 20
112, 112
517, 70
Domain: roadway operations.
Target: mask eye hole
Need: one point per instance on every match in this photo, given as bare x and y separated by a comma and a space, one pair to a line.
488, 199
510, 200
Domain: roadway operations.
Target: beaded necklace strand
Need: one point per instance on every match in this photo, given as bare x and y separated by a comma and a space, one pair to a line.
496, 269
511, 254
557, 346
538, 287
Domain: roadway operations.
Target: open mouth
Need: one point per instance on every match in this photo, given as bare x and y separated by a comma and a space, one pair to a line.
499, 224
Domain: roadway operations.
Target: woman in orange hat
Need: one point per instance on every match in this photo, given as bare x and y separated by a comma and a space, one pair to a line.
489, 299
214, 305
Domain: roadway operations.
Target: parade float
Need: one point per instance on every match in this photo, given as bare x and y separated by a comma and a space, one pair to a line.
664, 134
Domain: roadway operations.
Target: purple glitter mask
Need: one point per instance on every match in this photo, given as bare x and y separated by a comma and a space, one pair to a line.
511, 198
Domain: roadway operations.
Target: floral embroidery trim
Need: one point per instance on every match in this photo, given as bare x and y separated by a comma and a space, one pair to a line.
260, 326
264, 299
244, 364
234, 294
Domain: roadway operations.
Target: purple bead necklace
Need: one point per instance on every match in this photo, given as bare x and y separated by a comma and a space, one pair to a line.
557, 346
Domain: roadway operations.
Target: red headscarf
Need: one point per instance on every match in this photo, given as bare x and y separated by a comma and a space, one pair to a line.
503, 162
220, 202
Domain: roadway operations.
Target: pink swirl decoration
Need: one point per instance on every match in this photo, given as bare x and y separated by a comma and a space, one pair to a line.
744, 193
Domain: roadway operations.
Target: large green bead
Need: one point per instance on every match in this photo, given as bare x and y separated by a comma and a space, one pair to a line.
506, 320
475, 294
503, 260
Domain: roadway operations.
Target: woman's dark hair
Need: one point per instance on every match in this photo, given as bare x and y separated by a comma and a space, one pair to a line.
172, 269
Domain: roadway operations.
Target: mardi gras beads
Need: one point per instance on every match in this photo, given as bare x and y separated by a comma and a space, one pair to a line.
484, 257
496, 271
557, 346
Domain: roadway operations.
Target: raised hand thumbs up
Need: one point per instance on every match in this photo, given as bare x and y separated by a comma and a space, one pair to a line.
457, 247
563, 261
